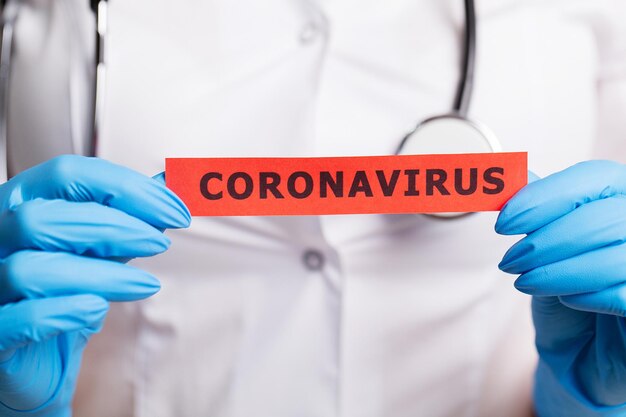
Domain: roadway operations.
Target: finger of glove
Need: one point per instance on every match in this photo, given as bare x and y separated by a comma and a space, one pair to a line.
82, 228
608, 301
588, 272
590, 227
81, 179
545, 200
160, 177
35, 274
32, 321
532, 177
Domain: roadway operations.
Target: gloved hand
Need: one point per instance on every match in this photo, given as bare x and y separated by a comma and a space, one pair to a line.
63, 224
573, 262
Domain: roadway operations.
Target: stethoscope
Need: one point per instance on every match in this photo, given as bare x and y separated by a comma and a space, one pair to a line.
452, 132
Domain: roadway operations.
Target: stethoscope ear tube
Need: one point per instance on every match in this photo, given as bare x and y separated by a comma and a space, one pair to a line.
101, 13
10, 11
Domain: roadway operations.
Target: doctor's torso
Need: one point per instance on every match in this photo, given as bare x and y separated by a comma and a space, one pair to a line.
321, 316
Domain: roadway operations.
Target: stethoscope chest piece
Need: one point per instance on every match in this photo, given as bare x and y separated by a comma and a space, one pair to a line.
449, 134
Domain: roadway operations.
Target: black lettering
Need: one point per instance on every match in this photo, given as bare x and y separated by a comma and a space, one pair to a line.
412, 185
489, 178
232, 189
432, 182
269, 181
458, 181
308, 184
360, 184
388, 187
204, 186
335, 184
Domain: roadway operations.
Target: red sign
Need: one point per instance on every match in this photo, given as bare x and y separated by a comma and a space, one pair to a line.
347, 185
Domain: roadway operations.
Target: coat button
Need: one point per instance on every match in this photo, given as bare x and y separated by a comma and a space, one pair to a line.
313, 259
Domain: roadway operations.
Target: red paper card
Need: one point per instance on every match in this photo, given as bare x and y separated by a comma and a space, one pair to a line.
347, 185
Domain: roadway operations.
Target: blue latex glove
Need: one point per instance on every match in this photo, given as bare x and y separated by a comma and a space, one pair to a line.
62, 224
573, 262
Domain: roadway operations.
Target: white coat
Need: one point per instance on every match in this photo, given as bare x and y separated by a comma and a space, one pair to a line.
407, 315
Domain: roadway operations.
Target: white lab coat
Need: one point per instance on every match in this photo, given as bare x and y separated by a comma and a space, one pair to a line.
409, 315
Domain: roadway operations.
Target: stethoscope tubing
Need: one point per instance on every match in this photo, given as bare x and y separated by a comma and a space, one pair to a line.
10, 12
466, 81
100, 8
